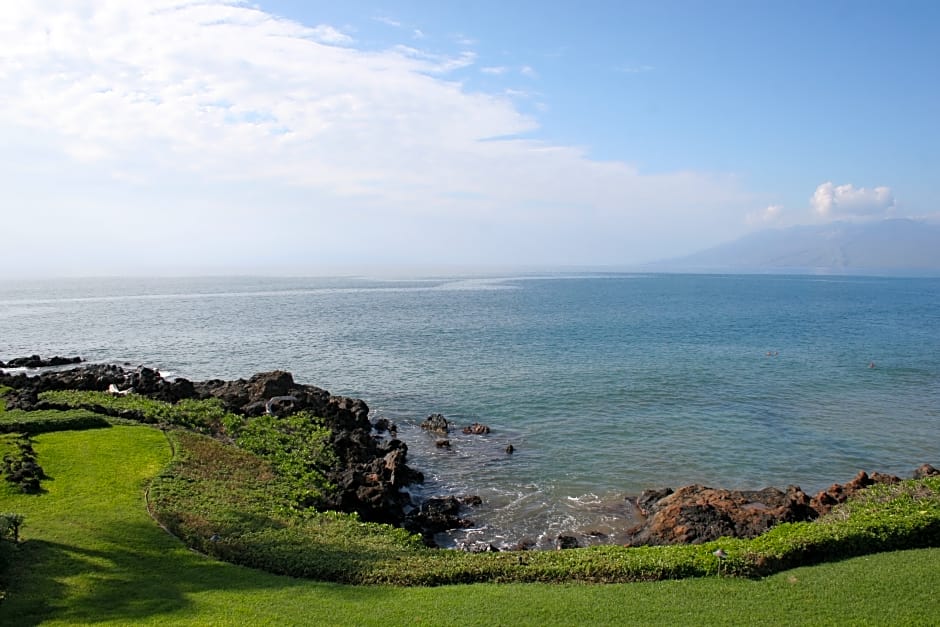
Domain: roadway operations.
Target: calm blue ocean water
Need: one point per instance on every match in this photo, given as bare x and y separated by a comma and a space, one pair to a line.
604, 384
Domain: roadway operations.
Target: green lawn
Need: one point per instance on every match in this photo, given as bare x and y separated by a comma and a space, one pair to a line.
92, 555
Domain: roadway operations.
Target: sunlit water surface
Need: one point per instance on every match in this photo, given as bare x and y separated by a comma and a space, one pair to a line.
604, 384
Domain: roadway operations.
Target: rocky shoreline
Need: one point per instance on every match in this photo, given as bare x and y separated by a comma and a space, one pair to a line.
372, 469
373, 477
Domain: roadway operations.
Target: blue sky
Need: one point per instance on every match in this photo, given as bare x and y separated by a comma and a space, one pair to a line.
171, 136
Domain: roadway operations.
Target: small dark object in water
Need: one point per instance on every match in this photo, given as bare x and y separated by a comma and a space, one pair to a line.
476, 429
510, 449
442, 443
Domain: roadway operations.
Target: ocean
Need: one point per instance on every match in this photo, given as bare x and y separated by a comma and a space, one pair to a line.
605, 384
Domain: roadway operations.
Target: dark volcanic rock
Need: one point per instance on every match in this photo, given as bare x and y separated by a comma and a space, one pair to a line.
435, 423
35, 361
99, 377
25, 399
252, 398
270, 384
648, 498
566, 542
90, 377
925, 470
436, 514
370, 472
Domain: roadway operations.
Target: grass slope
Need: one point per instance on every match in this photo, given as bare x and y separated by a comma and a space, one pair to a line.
92, 555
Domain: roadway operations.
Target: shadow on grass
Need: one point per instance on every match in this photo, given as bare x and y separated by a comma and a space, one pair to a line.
134, 577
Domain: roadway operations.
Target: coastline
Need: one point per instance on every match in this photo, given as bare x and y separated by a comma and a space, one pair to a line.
377, 483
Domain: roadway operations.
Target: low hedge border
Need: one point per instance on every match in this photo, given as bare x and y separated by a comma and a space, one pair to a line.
203, 416
230, 504
44, 421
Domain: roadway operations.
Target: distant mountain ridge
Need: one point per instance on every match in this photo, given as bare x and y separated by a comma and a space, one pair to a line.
897, 246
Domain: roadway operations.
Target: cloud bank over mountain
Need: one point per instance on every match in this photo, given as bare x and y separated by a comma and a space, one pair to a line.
897, 246
832, 202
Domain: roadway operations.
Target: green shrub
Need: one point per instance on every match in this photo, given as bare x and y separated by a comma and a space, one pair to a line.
10, 524
44, 421
298, 448
234, 505
883, 517
204, 416
21, 468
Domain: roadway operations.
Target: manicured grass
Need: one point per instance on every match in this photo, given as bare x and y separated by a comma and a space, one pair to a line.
92, 555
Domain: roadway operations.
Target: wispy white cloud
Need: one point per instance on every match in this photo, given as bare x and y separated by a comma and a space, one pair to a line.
261, 134
417, 33
462, 40
830, 202
766, 216
496, 70
330, 35
436, 63
388, 21
527, 70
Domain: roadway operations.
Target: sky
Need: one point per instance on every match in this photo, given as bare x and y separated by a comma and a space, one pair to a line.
216, 136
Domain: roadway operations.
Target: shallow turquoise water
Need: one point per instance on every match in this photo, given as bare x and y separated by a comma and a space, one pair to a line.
604, 384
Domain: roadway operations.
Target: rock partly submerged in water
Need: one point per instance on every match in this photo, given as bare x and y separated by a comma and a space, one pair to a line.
476, 429
436, 423
435, 515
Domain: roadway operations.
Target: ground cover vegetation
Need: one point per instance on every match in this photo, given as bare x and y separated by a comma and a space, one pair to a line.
249, 496
89, 553
203, 416
232, 508
255, 503
296, 446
